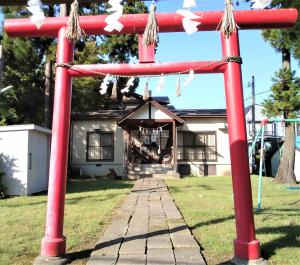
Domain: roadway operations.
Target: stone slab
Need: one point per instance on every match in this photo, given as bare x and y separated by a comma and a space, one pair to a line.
188, 256
42, 260
160, 241
133, 245
102, 260
160, 257
147, 229
107, 246
238, 261
132, 259
180, 241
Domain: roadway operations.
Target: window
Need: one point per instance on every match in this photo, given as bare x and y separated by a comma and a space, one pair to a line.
199, 146
100, 146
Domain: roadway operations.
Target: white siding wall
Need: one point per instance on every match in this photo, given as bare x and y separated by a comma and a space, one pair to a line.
39, 149
217, 125
17, 142
101, 168
79, 146
158, 114
143, 113
13, 155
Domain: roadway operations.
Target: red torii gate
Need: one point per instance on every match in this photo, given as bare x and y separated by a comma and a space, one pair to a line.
246, 246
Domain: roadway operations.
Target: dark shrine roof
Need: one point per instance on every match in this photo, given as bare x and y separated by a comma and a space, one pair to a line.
164, 101
200, 112
119, 114
161, 100
101, 114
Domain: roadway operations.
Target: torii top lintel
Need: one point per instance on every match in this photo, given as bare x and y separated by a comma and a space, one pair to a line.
168, 22
49, 2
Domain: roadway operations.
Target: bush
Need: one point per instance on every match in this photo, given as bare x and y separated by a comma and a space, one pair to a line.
2, 188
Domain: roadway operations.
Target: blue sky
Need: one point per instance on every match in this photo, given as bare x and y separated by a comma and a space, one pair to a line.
207, 91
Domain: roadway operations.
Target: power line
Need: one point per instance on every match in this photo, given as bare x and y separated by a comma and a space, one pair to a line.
211, 101
222, 98
257, 94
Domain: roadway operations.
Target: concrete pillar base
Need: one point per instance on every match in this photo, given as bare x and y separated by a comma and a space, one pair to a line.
238, 261
43, 260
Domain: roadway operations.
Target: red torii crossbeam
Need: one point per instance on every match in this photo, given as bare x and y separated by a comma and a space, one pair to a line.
246, 246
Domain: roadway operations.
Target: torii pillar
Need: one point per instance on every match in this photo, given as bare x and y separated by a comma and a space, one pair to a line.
246, 246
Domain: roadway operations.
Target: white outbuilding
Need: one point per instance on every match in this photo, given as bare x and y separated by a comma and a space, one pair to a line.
24, 158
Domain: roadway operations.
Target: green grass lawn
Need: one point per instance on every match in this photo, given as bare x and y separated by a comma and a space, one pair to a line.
207, 206
89, 207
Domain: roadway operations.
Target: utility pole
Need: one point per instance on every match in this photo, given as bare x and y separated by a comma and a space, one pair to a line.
253, 133
253, 107
48, 94
1, 65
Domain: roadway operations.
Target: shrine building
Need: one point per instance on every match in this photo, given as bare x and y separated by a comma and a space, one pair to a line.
150, 137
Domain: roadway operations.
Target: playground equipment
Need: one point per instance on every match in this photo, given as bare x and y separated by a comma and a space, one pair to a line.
246, 246
261, 133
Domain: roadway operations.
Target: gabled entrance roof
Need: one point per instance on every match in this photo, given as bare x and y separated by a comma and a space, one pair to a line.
151, 110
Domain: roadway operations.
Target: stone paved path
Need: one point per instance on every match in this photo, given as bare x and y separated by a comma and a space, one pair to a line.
147, 229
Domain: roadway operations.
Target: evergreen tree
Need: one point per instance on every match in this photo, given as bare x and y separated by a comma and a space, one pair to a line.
25, 62
285, 90
285, 99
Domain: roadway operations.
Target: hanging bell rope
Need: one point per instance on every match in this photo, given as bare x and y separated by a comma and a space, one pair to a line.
228, 24
74, 31
151, 31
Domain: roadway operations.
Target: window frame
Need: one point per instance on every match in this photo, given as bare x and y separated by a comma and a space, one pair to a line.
88, 145
195, 147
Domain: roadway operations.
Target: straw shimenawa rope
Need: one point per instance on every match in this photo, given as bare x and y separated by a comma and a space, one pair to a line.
228, 24
74, 31
150, 35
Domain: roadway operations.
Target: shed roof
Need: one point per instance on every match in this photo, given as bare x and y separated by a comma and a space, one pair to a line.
24, 127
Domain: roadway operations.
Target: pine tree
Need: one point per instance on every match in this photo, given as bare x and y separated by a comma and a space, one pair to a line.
285, 90
285, 99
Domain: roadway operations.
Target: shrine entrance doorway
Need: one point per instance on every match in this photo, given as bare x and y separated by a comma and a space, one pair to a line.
151, 145
150, 135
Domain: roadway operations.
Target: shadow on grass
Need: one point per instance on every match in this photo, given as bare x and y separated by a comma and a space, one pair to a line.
212, 222
23, 204
277, 212
78, 186
96, 198
288, 239
290, 236
183, 188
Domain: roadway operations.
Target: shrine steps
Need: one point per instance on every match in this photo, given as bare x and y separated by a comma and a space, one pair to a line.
160, 171
173, 175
